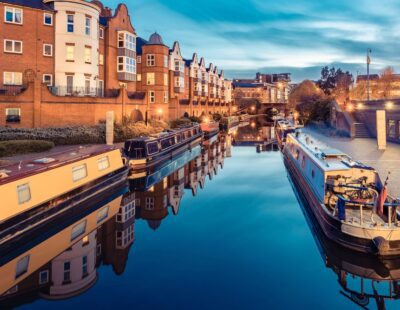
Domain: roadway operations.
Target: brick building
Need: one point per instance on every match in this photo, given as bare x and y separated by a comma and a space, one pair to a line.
67, 62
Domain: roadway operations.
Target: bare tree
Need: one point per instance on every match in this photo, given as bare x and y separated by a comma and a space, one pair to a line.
386, 82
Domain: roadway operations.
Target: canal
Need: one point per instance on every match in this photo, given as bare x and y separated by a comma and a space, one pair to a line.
241, 242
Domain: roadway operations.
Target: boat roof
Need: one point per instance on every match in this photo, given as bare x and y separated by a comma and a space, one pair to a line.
51, 160
328, 158
285, 124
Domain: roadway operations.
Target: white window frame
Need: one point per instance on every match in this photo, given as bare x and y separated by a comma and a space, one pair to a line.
44, 49
101, 33
71, 23
44, 272
151, 60
139, 59
13, 74
103, 163
44, 19
14, 10
78, 230
73, 53
102, 214
87, 54
139, 77
150, 81
77, 176
128, 40
88, 27
152, 96
51, 79
128, 64
25, 190
13, 42
166, 62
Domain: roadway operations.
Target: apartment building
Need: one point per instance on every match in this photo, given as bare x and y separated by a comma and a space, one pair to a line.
81, 52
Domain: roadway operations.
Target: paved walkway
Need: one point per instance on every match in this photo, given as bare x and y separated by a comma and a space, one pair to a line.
365, 151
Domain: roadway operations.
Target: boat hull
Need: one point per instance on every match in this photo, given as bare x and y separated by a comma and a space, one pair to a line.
332, 227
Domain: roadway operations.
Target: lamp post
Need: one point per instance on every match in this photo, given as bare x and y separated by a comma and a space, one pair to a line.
159, 112
369, 51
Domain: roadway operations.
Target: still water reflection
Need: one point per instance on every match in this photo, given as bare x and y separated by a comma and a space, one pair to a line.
175, 240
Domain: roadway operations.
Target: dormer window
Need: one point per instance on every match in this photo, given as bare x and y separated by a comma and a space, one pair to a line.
126, 40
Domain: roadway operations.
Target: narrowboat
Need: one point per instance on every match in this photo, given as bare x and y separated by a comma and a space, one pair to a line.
210, 130
229, 123
32, 188
144, 152
282, 129
347, 198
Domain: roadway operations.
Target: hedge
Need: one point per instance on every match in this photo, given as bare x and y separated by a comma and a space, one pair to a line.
11, 148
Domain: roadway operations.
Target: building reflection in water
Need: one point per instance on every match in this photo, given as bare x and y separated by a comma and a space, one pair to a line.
65, 264
364, 280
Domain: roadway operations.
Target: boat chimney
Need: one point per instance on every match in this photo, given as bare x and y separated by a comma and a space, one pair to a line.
308, 140
110, 127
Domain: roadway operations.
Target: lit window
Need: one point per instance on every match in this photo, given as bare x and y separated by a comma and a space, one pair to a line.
88, 22
150, 78
165, 61
44, 277
139, 77
47, 49
165, 97
79, 172
102, 214
12, 46
101, 59
101, 33
48, 19
151, 60
13, 15
48, 79
165, 79
70, 23
88, 54
13, 115
87, 85
103, 163
152, 96
126, 40
22, 266
78, 230
70, 53
24, 193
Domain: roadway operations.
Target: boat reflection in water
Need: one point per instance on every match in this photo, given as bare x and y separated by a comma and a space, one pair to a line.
62, 262
365, 280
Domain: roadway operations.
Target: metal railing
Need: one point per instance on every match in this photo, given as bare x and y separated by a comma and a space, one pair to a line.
12, 90
83, 91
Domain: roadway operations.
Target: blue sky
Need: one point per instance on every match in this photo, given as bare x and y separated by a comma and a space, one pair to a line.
298, 36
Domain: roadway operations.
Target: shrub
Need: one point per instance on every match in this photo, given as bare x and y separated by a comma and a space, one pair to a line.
180, 122
130, 130
16, 147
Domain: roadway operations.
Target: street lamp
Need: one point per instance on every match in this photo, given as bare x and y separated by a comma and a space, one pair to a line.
360, 106
253, 124
350, 107
389, 105
160, 112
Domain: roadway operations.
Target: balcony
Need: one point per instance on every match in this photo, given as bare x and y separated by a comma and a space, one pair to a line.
126, 52
179, 89
184, 102
12, 90
126, 77
83, 91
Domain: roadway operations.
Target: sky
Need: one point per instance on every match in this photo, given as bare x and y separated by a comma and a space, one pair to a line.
273, 36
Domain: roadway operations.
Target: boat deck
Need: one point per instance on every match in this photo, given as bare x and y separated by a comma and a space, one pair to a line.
369, 218
50, 160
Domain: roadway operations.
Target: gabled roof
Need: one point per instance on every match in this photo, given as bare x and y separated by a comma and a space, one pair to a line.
202, 62
188, 62
34, 4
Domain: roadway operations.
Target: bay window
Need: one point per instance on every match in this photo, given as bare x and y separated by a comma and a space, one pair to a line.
126, 64
126, 40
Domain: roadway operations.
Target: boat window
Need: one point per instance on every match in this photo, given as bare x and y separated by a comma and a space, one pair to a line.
152, 148
297, 154
178, 138
103, 163
22, 266
79, 172
312, 174
303, 162
78, 230
102, 214
24, 193
165, 143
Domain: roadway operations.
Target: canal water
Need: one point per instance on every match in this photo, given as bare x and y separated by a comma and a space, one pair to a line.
241, 242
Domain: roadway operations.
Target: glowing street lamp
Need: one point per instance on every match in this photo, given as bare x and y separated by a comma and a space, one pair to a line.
253, 108
253, 124
389, 105
159, 112
206, 120
360, 106
350, 107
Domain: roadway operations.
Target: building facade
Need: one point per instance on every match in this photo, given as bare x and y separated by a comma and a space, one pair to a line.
66, 62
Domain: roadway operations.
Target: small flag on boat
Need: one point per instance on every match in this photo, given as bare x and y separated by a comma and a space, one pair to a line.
381, 200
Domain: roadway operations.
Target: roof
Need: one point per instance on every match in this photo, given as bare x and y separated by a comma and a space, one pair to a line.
35, 4
139, 44
103, 20
188, 62
247, 85
155, 39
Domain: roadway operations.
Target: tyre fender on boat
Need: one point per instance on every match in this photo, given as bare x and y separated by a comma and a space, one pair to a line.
381, 245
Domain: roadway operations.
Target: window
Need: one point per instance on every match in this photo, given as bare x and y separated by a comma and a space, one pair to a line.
24, 193
101, 33
126, 64
70, 53
22, 266
70, 84
48, 19
88, 54
102, 214
126, 40
103, 163
67, 271
87, 85
165, 61
48, 79
12, 46
178, 66
79, 172
165, 79
179, 81
84, 266
165, 96
392, 129
125, 237
149, 203
70, 23
101, 59
100, 91
78, 230
139, 77
47, 49
150, 78
152, 97
44, 277
88, 22
13, 115
13, 15
139, 59
151, 60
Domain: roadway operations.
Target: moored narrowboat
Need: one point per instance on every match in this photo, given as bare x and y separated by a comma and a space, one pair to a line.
210, 130
347, 198
229, 123
282, 129
145, 152
50, 184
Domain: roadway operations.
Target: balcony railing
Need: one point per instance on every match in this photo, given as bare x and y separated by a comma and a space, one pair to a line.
12, 90
83, 91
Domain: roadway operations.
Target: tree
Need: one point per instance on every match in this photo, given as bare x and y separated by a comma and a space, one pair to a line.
306, 91
335, 83
315, 111
386, 82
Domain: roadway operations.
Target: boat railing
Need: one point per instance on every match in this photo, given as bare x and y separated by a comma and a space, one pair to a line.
392, 208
